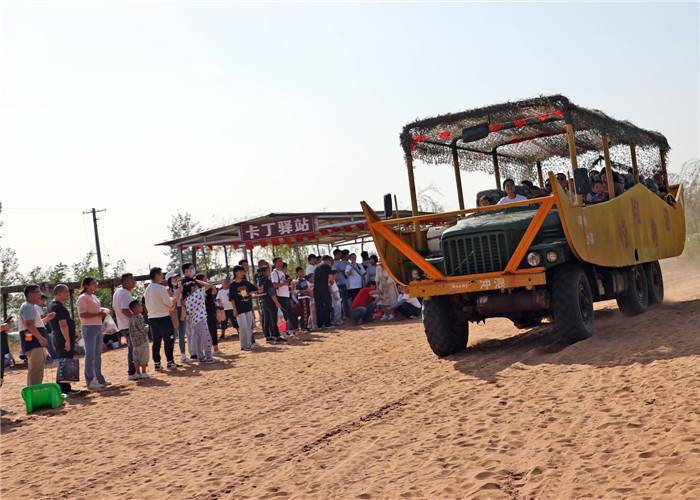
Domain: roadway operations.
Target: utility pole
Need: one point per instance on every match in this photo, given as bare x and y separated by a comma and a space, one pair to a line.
97, 238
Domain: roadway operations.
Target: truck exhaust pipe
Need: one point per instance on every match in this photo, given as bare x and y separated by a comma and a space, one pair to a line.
510, 304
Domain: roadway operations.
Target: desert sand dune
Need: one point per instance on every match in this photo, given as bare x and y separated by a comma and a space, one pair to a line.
372, 413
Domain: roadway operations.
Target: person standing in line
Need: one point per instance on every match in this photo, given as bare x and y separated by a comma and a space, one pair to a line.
194, 299
240, 296
312, 262
372, 269
224, 303
339, 265
173, 286
120, 303
302, 292
335, 299
138, 336
63, 327
270, 305
91, 312
210, 307
185, 330
364, 255
322, 295
32, 339
281, 283
354, 274
159, 304
389, 293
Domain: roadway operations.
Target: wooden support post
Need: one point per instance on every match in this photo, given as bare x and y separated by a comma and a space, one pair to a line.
571, 139
540, 178
228, 270
418, 240
608, 167
663, 167
635, 169
496, 170
193, 251
458, 177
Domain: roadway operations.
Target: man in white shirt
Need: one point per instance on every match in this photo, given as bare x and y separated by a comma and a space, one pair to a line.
511, 196
120, 303
354, 274
223, 302
281, 283
158, 305
312, 263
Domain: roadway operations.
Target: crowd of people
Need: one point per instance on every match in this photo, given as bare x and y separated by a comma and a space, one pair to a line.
183, 307
597, 181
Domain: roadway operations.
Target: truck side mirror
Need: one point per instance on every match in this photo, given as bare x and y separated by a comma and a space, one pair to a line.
582, 181
471, 134
388, 208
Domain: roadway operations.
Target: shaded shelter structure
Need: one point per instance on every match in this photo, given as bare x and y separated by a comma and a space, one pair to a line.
281, 228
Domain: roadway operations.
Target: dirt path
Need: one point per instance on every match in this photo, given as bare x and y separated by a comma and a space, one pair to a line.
371, 413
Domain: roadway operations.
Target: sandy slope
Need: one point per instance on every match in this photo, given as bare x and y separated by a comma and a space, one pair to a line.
371, 413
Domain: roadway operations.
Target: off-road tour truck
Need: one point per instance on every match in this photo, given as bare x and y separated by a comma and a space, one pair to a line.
551, 255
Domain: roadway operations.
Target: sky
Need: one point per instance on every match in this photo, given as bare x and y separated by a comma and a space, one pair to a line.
229, 110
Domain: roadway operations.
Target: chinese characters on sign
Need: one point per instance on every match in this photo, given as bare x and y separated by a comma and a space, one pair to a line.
276, 228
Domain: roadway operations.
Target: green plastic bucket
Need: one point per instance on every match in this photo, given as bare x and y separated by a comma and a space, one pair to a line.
42, 396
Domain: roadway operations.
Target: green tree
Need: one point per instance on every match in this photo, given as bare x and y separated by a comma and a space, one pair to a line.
182, 224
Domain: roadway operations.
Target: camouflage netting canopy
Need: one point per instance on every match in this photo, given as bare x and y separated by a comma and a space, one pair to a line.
526, 132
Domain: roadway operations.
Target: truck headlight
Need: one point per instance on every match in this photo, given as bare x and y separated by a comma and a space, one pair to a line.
534, 259
552, 256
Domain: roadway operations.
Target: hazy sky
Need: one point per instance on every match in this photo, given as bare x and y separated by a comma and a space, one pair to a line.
228, 110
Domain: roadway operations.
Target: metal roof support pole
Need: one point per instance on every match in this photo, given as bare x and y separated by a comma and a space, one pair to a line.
663, 167
571, 140
608, 167
458, 176
414, 198
182, 258
496, 170
539, 174
194, 256
228, 270
635, 169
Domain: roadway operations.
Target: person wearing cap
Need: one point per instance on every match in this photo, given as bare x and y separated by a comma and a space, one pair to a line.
120, 303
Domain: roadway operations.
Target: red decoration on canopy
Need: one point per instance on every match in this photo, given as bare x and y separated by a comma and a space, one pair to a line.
210, 247
336, 229
275, 242
262, 243
299, 238
495, 127
287, 240
348, 227
420, 138
519, 123
324, 231
309, 237
362, 225
445, 135
249, 245
183, 247
197, 247
235, 245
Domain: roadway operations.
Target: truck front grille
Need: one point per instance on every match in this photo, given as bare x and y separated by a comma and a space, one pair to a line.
474, 254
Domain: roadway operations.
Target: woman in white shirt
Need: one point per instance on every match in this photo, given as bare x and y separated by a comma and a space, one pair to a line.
511, 195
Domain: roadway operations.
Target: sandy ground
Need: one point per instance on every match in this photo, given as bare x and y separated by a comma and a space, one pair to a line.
371, 413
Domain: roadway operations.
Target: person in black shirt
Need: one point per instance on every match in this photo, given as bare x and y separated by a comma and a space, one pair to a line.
322, 294
270, 306
63, 328
212, 323
239, 293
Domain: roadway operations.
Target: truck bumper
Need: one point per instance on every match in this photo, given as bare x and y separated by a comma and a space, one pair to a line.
478, 283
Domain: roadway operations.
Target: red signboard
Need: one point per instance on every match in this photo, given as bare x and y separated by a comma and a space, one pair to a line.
279, 228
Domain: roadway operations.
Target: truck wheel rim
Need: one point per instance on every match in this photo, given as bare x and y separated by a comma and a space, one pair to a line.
639, 284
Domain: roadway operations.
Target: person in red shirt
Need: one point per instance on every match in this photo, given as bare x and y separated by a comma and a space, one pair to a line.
362, 307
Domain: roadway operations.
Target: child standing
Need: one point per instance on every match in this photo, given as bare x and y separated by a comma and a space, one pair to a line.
138, 337
336, 298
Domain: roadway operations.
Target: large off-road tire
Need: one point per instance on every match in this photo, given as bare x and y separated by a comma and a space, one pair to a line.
446, 329
655, 282
572, 302
635, 299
